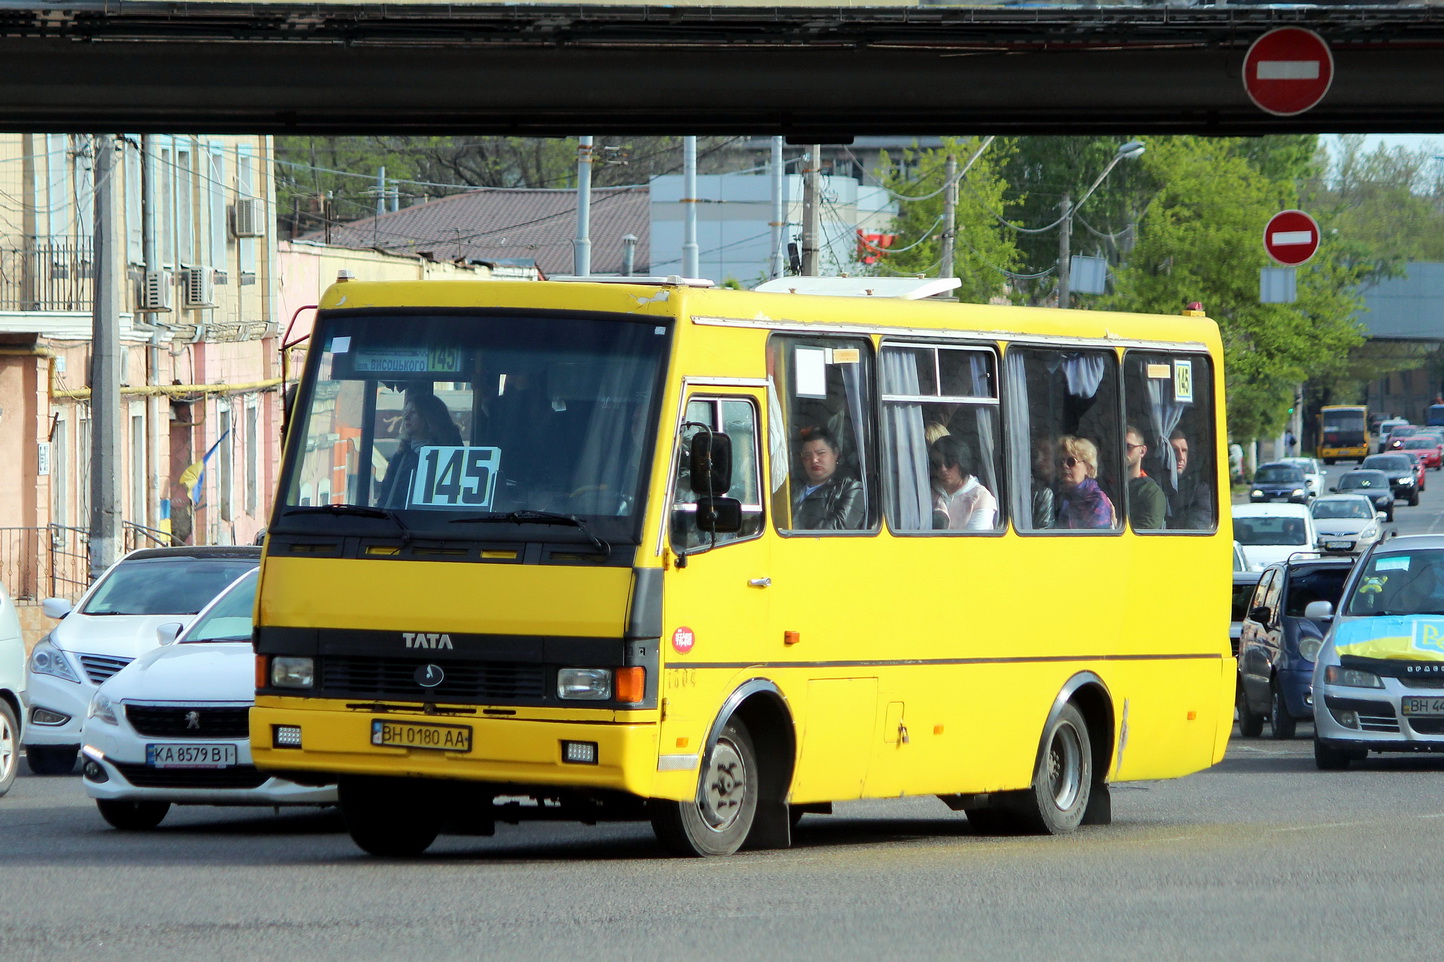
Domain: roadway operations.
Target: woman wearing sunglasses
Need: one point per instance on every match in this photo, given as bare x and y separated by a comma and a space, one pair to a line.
1081, 502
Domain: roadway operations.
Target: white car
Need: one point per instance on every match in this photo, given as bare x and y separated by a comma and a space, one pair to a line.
1313, 470
1273, 532
1347, 522
172, 727
12, 690
114, 622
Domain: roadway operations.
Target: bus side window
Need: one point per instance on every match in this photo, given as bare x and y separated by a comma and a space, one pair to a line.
940, 439
737, 417
825, 388
1063, 408
1169, 400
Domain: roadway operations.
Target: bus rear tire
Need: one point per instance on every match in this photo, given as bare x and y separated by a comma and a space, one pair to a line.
1062, 779
720, 818
384, 820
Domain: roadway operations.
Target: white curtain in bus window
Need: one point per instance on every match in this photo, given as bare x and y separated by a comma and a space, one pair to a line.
1169, 400
1063, 407
939, 405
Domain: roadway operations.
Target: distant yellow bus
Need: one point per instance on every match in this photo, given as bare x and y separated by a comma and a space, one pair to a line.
716, 559
1343, 432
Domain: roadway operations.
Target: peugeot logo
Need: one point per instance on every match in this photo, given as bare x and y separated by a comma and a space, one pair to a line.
193, 720
429, 676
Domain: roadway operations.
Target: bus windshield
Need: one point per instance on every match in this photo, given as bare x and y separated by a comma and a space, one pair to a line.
476, 426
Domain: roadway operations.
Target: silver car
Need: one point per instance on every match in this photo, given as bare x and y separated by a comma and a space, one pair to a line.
1379, 680
1347, 522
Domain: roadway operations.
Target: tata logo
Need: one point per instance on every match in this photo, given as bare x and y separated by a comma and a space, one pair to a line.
1429, 638
422, 639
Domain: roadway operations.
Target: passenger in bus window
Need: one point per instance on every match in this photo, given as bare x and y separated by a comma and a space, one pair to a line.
960, 501
825, 500
1191, 507
1081, 502
425, 421
1045, 476
1147, 504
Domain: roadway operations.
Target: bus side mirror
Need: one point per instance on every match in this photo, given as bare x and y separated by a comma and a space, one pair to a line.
719, 515
711, 467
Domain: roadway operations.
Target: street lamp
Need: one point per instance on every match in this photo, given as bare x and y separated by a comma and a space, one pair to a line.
1128, 151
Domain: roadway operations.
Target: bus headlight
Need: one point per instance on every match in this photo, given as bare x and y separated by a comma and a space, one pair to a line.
290, 671
584, 684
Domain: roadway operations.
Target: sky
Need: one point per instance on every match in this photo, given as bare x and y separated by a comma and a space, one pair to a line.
1409, 141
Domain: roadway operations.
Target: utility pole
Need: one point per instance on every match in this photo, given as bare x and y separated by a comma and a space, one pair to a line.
582, 246
1065, 231
777, 265
950, 215
691, 257
811, 197
105, 363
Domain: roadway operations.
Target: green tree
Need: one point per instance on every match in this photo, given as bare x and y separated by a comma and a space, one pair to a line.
1200, 239
984, 251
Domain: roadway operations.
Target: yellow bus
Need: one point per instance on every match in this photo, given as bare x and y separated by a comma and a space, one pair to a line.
1343, 432
716, 559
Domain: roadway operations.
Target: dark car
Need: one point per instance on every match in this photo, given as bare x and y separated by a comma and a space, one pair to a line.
1403, 474
1244, 582
1277, 645
1279, 482
1374, 485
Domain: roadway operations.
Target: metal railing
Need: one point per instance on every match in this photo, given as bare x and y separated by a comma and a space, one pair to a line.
38, 563
140, 536
48, 274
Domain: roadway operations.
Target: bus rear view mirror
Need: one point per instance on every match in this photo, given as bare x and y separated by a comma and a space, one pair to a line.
711, 467
719, 515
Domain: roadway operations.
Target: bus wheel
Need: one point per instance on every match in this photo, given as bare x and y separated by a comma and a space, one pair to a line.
384, 820
718, 820
1063, 778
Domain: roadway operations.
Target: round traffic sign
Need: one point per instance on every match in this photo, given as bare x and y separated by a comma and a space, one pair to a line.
1291, 237
1288, 70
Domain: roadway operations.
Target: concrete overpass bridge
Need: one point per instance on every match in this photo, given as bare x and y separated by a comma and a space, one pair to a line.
808, 72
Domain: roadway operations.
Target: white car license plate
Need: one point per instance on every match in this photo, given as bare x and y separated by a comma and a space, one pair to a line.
1338, 545
442, 738
190, 756
1418, 707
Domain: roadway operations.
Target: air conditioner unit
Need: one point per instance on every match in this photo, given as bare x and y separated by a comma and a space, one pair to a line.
155, 291
247, 216
199, 285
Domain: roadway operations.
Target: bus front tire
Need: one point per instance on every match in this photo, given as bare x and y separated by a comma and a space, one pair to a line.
384, 820
1062, 779
719, 819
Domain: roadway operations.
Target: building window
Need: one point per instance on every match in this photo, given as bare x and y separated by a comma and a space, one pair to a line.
137, 469
253, 460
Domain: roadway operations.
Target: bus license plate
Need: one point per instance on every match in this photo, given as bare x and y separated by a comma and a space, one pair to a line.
442, 738
1418, 707
190, 756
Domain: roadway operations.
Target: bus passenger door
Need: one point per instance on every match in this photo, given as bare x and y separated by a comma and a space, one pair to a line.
717, 603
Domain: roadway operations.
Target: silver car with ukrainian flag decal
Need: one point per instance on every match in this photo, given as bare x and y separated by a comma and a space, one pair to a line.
1379, 680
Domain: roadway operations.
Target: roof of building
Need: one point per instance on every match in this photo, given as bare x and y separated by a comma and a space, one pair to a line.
509, 225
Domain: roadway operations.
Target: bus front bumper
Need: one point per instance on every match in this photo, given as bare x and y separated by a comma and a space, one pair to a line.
507, 751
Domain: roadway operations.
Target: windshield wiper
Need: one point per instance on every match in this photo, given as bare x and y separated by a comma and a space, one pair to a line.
347, 510
539, 517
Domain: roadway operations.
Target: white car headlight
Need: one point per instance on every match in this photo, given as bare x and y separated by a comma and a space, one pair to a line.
46, 659
102, 708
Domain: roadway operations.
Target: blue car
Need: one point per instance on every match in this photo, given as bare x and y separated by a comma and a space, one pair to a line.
1278, 645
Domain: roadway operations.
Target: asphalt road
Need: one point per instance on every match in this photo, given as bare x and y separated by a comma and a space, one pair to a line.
1261, 857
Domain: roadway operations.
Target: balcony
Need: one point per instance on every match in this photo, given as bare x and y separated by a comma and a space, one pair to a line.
50, 274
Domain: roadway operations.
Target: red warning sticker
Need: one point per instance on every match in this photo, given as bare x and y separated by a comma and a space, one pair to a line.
683, 639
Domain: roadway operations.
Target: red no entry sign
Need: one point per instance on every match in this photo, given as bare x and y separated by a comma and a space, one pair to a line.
1287, 71
1291, 237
